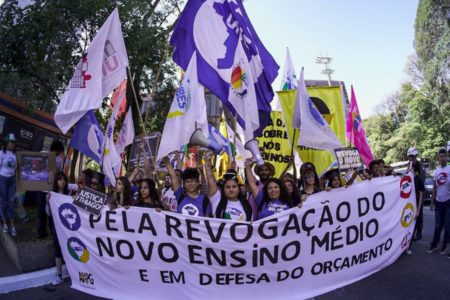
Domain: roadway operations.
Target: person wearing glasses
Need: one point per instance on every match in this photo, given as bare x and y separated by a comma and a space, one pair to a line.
309, 181
190, 201
272, 199
227, 201
8, 164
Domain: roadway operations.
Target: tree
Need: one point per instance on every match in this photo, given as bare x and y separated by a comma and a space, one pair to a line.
42, 43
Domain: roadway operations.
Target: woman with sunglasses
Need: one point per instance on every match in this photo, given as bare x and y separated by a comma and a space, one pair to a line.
8, 164
272, 199
227, 202
309, 181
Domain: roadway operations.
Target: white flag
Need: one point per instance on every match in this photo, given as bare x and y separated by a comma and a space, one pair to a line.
241, 152
126, 133
188, 109
111, 160
99, 71
242, 94
288, 80
315, 132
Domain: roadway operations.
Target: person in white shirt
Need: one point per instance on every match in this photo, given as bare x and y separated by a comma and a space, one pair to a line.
8, 164
440, 202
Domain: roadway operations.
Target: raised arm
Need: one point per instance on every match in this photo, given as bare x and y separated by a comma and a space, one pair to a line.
252, 182
212, 184
173, 176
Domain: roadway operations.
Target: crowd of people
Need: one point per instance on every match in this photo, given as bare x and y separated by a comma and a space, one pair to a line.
250, 196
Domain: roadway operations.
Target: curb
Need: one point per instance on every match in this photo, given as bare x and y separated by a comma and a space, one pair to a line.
29, 280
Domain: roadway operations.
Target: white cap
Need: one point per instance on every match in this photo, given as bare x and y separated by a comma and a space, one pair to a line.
412, 151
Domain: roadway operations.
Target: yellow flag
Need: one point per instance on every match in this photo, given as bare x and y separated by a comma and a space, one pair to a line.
275, 143
328, 101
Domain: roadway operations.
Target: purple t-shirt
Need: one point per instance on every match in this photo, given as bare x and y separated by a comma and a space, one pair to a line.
191, 207
270, 208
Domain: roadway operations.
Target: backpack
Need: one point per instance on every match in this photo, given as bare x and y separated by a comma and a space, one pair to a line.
204, 203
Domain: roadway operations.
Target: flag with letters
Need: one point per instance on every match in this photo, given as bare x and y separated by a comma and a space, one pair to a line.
99, 71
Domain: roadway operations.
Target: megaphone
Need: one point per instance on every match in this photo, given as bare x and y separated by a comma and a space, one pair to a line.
253, 147
198, 139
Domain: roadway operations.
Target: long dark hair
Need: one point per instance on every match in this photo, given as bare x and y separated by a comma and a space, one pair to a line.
295, 195
126, 193
58, 176
220, 211
153, 193
303, 178
284, 196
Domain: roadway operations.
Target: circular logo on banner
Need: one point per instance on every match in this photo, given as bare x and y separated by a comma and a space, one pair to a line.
407, 215
77, 249
441, 178
405, 187
405, 241
69, 216
190, 210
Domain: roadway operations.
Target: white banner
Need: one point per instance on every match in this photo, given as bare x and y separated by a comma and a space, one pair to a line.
337, 238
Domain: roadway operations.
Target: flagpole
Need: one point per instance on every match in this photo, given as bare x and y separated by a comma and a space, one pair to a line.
156, 80
234, 137
140, 119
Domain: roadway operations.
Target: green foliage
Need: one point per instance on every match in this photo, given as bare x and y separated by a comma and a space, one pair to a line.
42, 43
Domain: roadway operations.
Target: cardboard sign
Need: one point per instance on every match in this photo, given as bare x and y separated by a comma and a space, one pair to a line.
35, 170
153, 141
348, 159
90, 200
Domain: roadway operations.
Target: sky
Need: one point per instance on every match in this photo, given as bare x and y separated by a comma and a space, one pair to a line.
369, 41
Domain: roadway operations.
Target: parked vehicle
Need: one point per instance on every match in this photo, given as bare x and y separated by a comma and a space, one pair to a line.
428, 190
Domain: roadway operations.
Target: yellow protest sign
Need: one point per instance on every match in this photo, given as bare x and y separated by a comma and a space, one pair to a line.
275, 143
328, 101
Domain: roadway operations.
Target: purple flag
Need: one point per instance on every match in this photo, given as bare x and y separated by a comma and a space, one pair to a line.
213, 29
88, 137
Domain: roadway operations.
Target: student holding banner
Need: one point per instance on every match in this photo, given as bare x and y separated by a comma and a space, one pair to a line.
227, 202
122, 193
148, 195
61, 186
272, 199
190, 200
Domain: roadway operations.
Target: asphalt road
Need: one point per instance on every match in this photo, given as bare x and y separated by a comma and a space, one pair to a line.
418, 276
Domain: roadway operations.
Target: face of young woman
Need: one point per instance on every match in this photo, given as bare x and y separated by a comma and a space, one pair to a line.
144, 191
119, 186
61, 183
289, 186
231, 189
335, 182
273, 190
10, 146
309, 176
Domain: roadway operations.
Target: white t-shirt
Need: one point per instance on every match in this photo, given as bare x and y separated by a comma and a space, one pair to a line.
8, 163
234, 210
168, 198
442, 180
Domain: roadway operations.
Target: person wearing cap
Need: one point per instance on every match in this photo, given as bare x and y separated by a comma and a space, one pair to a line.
8, 164
440, 202
412, 157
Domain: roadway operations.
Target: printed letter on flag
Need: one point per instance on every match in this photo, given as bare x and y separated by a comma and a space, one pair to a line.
88, 137
126, 134
214, 29
188, 108
355, 131
315, 132
111, 160
99, 71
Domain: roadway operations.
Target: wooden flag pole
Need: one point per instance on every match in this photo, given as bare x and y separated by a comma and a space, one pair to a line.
141, 120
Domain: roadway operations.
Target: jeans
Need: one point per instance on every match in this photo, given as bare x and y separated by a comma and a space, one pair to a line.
7, 191
441, 221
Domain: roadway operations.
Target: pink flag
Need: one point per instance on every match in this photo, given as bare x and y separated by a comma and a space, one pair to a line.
356, 133
118, 93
